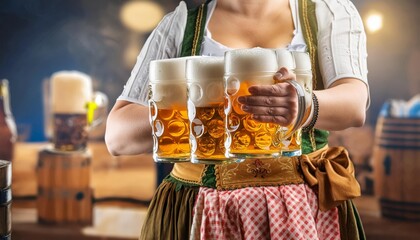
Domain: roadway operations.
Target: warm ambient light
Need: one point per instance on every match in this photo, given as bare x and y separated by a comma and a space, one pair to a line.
141, 16
374, 22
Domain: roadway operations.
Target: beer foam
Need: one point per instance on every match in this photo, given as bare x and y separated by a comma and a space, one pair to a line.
302, 60
205, 81
203, 69
285, 58
172, 69
70, 91
169, 83
170, 95
251, 60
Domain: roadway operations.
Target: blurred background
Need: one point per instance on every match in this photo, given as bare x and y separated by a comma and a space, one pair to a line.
102, 38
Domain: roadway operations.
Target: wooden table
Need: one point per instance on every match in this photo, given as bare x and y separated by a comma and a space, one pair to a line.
22, 231
111, 221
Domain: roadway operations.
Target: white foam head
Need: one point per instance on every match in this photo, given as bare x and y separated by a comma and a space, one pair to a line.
168, 82
70, 91
205, 80
252, 60
204, 69
302, 60
164, 70
285, 58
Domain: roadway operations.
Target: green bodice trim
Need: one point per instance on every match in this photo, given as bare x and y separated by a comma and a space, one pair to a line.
209, 178
194, 30
192, 45
320, 137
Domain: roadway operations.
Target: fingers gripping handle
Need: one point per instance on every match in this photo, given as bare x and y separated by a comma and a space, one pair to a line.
280, 134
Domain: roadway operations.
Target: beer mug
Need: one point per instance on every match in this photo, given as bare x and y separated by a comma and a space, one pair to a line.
303, 72
168, 110
247, 138
206, 110
297, 62
72, 110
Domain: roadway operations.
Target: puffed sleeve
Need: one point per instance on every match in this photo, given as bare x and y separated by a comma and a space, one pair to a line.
164, 42
341, 41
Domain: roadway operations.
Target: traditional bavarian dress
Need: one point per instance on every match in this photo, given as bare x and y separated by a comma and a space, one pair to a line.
306, 197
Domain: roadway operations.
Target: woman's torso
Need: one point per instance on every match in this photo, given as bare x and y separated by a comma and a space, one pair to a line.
271, 29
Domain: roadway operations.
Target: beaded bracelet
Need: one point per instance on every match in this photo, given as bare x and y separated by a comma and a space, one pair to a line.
315, 107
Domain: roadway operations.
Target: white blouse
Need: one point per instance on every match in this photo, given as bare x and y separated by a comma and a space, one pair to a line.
341, 44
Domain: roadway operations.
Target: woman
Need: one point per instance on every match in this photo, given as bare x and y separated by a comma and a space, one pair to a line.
332, 32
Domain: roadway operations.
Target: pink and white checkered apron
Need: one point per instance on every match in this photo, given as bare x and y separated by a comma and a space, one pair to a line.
283, 212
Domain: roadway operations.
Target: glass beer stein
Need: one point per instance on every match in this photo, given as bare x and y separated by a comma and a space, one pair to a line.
247, 138
303, 71
206, 110
168, 110
72, 110
297, 62
292, 145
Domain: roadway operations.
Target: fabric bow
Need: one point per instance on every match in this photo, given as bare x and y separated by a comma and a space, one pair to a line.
332, 171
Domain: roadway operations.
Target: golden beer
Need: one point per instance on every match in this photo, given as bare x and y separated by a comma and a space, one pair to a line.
247, 137
208, 135
168, 110
206, 110
170, 134
292, 145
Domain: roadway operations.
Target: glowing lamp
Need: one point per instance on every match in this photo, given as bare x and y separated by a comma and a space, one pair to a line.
141, 16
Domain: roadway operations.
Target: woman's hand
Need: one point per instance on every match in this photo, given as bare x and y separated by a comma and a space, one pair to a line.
276, 103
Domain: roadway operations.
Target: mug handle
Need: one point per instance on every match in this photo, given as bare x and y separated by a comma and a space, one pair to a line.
280, 135
97, 109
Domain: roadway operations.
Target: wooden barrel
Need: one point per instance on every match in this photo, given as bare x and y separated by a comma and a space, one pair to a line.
396, 159
64, 191
5, 200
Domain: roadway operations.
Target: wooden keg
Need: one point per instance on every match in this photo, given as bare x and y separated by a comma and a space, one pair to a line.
64, 191
396, 159
5, 200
